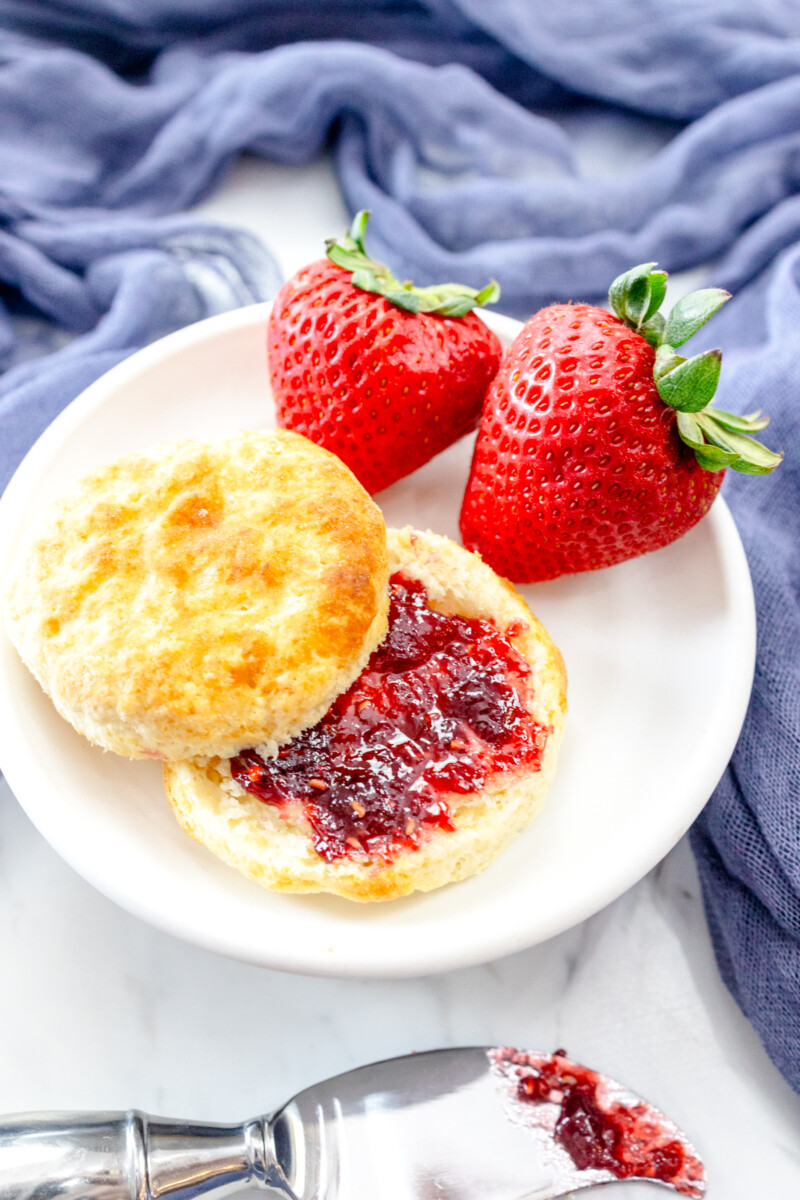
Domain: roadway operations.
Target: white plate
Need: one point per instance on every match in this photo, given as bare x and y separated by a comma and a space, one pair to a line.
659, 651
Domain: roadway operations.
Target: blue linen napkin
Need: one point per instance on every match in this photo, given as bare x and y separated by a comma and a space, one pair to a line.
447, 118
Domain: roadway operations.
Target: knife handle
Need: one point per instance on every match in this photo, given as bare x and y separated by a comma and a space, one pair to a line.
130, 1156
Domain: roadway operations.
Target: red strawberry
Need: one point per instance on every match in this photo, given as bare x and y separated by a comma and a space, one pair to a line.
596, 444
383, 374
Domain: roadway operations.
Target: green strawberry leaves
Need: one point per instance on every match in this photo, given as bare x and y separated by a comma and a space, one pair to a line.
653, 329
688, 385
637, 295
718, 440
691, 312
443, 300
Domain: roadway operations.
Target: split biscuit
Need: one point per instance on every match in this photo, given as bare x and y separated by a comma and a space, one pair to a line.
203, 597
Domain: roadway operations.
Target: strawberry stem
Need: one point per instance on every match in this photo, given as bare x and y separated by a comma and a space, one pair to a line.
443, 300
688, 385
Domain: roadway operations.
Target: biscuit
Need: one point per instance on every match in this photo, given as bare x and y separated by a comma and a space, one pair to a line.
202, 597
251, 835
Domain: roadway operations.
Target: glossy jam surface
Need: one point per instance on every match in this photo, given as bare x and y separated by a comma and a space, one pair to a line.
598, 1130
439, 708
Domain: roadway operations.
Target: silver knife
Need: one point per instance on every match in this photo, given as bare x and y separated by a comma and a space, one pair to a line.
477, 1123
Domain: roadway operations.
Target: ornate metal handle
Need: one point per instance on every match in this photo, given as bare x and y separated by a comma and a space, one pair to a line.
130, 1156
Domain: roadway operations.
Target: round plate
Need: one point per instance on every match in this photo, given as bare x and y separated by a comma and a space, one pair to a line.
659, 652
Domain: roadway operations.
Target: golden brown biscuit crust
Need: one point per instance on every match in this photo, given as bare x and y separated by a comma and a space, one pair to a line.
203, 597
252, 837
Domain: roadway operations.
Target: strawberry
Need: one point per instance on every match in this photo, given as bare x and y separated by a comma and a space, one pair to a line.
380, 372
597, 443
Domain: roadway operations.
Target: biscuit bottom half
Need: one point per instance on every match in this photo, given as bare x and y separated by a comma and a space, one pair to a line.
422, 770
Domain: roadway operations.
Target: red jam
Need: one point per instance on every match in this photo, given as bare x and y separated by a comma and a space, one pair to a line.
602, 1132
439, 708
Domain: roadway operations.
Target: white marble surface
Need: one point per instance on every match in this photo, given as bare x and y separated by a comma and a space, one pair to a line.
98, 1010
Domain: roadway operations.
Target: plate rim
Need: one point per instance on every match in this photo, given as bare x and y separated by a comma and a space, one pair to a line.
436, 959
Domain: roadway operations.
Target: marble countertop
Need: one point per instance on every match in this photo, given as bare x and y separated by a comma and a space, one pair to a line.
98, 1010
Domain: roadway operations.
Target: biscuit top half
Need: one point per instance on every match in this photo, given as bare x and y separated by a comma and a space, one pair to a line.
203, 597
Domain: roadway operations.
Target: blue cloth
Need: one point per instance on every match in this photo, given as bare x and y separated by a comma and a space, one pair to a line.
449, 119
